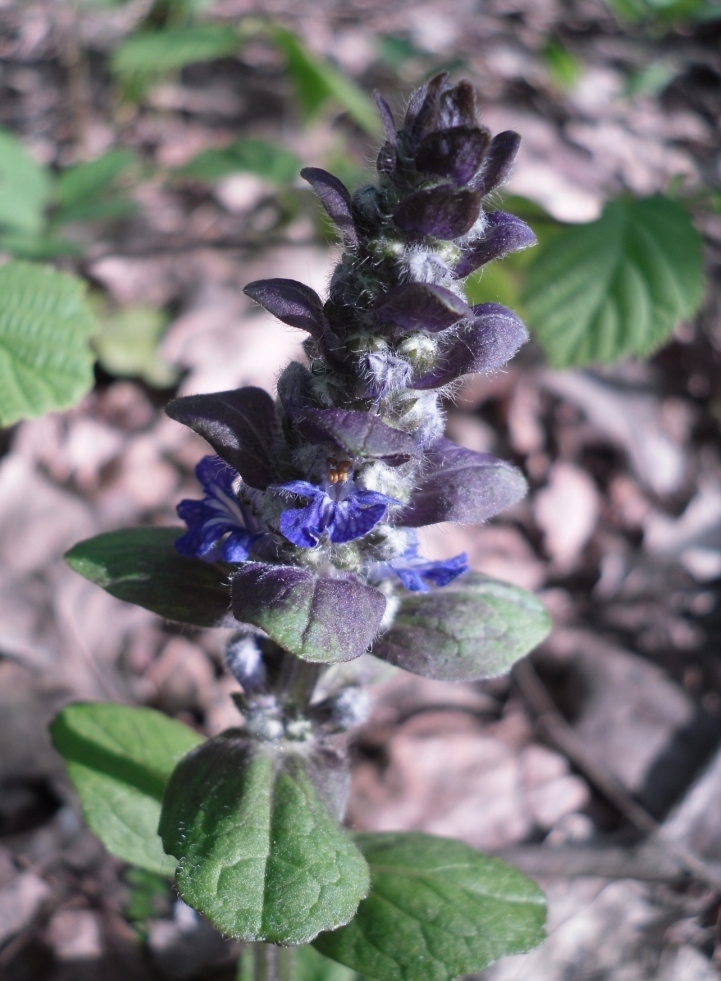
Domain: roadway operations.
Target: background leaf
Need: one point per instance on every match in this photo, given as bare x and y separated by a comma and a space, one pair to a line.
87, 191
436, 909
316, 81
127, 345
266, 160
310, 965
261, 856
474, 628
45, 324
141, 566
119, 759
25, 186
617, 286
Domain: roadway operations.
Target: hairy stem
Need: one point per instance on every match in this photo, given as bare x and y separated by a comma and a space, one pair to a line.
265, 962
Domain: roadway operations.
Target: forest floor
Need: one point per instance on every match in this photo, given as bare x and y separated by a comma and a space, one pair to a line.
595, 766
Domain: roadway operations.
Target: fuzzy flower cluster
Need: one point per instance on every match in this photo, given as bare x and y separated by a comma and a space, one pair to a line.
314, 499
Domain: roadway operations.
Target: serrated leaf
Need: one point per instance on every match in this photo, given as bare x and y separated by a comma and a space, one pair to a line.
436, 909
25, 186
45, 324
260, 854
476, 627
615, 287
127, 345
316, 81
259, 157
119, 759
141, 566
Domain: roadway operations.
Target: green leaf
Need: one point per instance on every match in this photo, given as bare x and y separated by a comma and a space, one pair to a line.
141, 566
119, 759
260, 854
436, 909
310, 965
90, 181
37, 246
563, 67
617, 286
127, 345
25, 186
45, 324
145, 56
316, 81
474, 628
266, 160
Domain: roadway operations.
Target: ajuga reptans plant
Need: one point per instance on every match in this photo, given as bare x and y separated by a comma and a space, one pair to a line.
310, 511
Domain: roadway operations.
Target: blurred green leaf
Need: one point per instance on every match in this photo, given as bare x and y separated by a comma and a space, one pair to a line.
147, 55
25, 186
617, 286
37, 246
651, 80
273, 163
127, 345
149, 897
317, 81
45, 325
563, 67
495, 283
310, 965
88, 191
119, 759
663, 13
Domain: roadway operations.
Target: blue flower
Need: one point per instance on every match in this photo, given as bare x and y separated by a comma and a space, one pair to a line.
336, 507
416, 573
220, 513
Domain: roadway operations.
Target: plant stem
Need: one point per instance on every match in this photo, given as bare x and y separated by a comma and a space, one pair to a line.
265, 962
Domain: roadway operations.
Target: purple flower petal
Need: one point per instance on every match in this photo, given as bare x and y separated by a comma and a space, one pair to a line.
304, 526
462, 486
455, 153
218, 514
422, 112
387, 160
421, 306
485, 345
294, 303
458, 106
360, 434
416, 574
386, 114
504, 233
316, 618
499, 161
335, 199
445, 212
240, 425
350, 521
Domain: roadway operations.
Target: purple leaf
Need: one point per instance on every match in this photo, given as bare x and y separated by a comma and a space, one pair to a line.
486, 344
335, 199
294, 303
462, 486
421, 306
386, 114
499, 161
359, 434
423, 106
443, 212
504, 233
316, 618
455, 153
386, 160
458, 106
240, 426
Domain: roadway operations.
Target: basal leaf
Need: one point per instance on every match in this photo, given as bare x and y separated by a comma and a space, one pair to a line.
259, 157
436, 909
25, 186
474, 628
141, 566
617, 286
119, 759
45, 324
261, 856
316, 81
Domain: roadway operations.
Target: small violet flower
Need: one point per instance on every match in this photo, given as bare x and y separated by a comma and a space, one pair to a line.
220, 513
415, 572
337, 508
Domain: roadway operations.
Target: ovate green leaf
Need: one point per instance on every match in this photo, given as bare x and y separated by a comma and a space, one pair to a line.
316, 81
261, 854
617, 286
436, 909
127, 345
266, 160
45, 323
141, 566
119, 759
474, 628
25, 186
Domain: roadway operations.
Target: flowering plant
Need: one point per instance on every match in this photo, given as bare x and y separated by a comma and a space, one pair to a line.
306, 541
